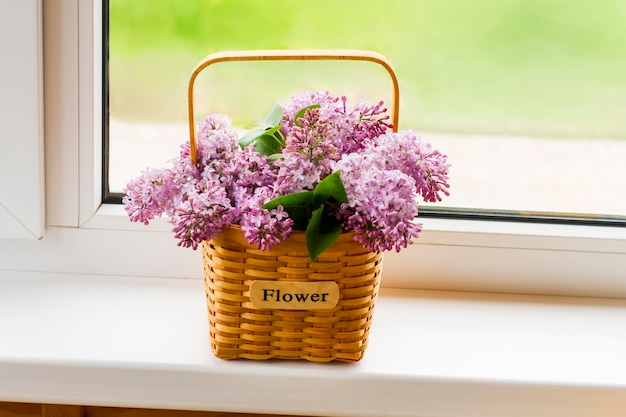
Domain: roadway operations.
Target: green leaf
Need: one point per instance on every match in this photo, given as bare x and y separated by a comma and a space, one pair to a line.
300, 114
272, 118
330, 189
250, 137
289, 200
268, 125
275, 131
297, 205
268, 145
253, 135
300, 216
321, 233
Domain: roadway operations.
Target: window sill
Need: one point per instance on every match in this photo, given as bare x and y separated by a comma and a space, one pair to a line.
488, 256
142, 342
479, 233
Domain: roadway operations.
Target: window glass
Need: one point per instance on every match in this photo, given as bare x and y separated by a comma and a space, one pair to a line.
527, 97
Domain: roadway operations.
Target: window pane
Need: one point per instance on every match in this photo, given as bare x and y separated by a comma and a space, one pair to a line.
527, 97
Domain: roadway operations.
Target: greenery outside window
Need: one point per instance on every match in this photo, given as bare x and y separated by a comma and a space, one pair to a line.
527, 98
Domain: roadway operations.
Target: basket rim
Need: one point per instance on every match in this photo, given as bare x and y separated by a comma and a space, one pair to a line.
234, 233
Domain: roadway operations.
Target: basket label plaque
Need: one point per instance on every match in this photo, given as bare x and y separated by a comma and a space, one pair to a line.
292, 295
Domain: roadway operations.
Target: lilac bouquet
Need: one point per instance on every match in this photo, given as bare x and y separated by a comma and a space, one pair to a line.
316, 164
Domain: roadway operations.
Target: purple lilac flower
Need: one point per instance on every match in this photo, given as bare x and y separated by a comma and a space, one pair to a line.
357, 126
217, 124
382, 204
249, 170
265, 228
352, 126
407, 153
309, 154
216, 144
328, 107
150, 195
201, 215
383, 174
207, 144
243, 200
294, 175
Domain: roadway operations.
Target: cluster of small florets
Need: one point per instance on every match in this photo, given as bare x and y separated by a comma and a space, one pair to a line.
383, 174
309, 152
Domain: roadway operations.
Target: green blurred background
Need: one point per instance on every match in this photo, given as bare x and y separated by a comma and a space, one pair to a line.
523, 67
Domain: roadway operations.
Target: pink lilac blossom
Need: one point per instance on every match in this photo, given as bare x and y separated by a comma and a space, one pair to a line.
382, 204
352, 127
328, 106
243, 200
383, 174
308, 154
149, 195
295, 175
357, 126
216, 144
217, 124
202, 214
215, 139
252, 178
266, 228
250, 170
407, 153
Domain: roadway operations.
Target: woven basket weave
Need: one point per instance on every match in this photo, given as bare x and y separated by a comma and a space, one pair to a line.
238, 330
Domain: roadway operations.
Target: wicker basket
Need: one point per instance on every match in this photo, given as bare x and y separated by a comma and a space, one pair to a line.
240, 330
243, 326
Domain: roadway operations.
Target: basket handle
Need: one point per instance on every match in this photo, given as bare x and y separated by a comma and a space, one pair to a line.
290, 55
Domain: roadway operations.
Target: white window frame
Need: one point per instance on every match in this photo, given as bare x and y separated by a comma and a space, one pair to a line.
21, 121
85, 236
